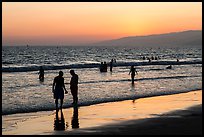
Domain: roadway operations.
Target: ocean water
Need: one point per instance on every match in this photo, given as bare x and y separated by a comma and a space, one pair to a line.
23, 92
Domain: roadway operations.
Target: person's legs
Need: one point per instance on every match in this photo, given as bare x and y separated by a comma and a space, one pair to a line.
75, 98
76, 95
132, 79
74, 92
42, 77
72, 96
56, 103
61, 103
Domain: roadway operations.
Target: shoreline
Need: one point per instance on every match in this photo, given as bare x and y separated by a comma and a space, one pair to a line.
97, 103
123, 117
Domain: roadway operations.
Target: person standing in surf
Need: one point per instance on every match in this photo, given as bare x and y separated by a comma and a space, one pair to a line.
132, 71
58, 88
41, 74
111, 65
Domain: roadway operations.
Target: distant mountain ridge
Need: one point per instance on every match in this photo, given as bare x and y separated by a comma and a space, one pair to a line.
174, 39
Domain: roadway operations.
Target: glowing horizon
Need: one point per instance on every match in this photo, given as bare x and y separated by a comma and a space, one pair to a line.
66, 23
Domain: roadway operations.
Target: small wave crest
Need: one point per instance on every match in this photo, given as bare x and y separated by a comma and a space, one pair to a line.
94, 65
7, 62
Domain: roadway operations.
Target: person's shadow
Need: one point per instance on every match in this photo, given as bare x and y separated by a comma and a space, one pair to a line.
75, 119
59, 123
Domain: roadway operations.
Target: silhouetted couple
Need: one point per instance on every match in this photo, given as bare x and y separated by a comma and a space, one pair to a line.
58, 88
103, 67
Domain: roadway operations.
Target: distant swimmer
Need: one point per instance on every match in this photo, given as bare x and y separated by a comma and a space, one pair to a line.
58, 88
177, 60
41, 73
169, 67
149, 59
132, 71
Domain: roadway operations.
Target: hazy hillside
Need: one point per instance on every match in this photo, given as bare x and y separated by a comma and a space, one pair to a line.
185, 38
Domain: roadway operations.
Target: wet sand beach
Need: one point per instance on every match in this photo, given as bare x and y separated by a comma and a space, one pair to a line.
169, 114
180, 122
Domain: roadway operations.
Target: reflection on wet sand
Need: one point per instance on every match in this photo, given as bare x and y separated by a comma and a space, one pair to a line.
75, 119
59, 121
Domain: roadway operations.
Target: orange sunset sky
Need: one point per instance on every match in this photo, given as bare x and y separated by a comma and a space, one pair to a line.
73, 23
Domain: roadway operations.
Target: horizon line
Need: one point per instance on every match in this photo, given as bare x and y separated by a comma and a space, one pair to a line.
87, 44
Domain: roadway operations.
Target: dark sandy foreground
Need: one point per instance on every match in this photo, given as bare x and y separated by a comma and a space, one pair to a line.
182, 122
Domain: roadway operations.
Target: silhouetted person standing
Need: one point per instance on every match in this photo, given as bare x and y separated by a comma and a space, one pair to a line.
58, 88
101, 67
105, 67
74, 86
41, 73
111, 65
132, 71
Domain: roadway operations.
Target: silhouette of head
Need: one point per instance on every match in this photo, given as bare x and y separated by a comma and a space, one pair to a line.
72, 72
60, 73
